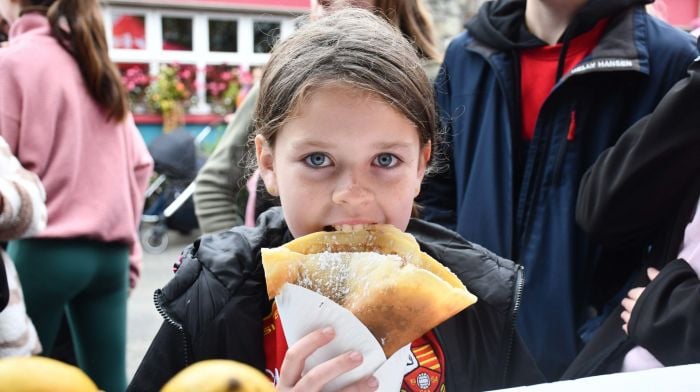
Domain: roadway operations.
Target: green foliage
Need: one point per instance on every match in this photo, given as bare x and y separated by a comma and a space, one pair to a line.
172, 88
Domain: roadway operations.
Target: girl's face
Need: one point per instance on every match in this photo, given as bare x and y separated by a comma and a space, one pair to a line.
345, 158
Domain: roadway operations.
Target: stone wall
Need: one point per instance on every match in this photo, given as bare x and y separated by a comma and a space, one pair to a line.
449, 16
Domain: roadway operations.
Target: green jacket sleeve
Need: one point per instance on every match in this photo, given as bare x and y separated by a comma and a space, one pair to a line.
222, 178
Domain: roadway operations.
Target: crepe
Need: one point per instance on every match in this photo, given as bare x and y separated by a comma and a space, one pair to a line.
380, 274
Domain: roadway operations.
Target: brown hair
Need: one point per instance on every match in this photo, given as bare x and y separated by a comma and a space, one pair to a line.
412, 18
409, 16
353, 47
77, 26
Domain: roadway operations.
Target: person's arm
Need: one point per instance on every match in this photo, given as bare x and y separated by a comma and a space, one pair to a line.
438, 193
22, 196
142, 167
639, 181
666, 317
222, 177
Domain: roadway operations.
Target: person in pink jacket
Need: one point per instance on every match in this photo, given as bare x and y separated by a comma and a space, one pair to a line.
64, 114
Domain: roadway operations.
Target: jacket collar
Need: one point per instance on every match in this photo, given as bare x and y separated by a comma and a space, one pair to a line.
623, 46
32, 23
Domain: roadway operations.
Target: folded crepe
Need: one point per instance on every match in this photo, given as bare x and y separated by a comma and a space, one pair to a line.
380, 274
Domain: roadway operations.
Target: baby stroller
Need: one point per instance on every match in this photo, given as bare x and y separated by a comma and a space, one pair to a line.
169, 204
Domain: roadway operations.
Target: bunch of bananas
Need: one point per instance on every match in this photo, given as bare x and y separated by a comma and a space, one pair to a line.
219, 375
41, 374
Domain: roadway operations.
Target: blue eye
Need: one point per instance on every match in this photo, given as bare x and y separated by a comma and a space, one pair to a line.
386, 160
317, 159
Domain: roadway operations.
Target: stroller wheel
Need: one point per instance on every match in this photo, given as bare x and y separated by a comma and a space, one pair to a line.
154, 240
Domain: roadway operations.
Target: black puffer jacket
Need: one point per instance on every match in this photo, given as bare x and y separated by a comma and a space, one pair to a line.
642, 193
215, 304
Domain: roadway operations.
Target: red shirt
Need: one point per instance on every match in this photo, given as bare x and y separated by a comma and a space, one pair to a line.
425, 369
538, 71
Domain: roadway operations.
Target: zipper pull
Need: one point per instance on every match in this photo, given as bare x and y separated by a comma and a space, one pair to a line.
572, 126
561, 154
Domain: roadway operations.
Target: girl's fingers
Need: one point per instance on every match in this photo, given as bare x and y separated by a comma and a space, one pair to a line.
366, 385
652, 272
628, 304
320, 375
635, 293
625, 315
294, 360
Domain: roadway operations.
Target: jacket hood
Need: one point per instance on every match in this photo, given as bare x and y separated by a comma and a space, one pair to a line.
500, 23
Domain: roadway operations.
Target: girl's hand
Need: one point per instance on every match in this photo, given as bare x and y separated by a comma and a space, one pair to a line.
631, 300
292, 379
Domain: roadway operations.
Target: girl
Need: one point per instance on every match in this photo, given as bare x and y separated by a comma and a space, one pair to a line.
345, 126
64, 114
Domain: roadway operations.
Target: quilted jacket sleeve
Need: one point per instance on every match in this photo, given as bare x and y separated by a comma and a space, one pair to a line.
23, 212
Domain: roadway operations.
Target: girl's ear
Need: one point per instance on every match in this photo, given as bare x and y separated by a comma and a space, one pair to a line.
425, 153
423, 160
263, 153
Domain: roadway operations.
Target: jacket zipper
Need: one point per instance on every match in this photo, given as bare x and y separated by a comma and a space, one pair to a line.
534, 181
157, 295
518, 292
561, 154
515, 123
524, 212
518, 156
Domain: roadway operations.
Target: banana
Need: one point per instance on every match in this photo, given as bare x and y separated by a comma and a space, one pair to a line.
219, 375
41, 374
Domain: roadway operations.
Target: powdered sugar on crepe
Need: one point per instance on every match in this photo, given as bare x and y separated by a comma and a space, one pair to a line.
330, 274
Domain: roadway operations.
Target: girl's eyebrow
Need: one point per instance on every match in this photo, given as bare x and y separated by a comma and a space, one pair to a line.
306, 143
392, 145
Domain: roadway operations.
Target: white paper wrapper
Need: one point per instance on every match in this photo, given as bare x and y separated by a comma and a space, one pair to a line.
303, 311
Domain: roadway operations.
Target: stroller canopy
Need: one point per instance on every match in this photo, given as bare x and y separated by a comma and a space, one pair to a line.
175, 155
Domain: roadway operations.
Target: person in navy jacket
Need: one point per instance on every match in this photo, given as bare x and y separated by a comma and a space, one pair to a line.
530, 94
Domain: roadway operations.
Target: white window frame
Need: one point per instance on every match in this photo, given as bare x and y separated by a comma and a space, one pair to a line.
200, 56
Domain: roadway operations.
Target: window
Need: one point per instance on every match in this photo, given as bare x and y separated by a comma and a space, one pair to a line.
177, 33
215, 54
265, 35
223, 35
129, 31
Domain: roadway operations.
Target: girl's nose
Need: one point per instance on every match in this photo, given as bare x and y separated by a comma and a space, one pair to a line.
352, 195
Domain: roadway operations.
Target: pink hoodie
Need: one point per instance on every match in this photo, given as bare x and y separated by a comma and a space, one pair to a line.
95, 171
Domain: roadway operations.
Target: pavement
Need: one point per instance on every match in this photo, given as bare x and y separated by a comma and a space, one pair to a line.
143, 320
